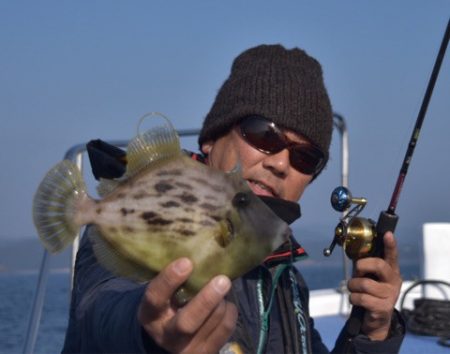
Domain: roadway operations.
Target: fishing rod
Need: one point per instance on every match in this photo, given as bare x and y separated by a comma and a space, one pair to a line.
362, 237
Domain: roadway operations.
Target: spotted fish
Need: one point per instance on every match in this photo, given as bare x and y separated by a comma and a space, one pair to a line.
166, 206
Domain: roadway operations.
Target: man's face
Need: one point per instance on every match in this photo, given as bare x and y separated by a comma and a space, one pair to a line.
269, 175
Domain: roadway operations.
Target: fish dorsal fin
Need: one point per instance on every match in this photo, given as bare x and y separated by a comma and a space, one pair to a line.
156, 144
235, 175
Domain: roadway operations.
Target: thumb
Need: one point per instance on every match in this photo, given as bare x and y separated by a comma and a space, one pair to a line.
390, 250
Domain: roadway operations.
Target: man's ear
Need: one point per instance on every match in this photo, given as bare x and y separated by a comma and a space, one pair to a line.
207, 147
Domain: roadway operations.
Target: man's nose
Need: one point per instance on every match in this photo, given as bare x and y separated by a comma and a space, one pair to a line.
278, 163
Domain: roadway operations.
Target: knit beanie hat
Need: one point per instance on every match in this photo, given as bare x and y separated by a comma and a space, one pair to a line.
283, 85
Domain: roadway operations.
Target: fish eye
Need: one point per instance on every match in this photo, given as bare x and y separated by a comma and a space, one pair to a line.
241, 200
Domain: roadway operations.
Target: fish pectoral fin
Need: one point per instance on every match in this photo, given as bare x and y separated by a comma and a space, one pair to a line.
156, 144
225, 233
111, 259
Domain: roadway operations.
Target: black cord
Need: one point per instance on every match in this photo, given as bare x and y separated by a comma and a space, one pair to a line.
430, 317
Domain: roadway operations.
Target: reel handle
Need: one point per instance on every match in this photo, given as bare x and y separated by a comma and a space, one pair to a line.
341, 199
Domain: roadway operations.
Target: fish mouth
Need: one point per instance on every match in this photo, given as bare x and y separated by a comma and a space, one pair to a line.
261, 188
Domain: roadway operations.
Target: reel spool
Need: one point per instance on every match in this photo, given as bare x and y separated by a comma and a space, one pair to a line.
354, 234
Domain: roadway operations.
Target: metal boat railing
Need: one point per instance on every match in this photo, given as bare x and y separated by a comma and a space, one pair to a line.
341, 126
75, 154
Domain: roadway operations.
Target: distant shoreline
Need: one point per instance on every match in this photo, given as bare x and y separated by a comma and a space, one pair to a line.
5, 271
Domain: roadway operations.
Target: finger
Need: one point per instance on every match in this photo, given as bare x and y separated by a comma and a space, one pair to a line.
222, 331
161, 289
372, 267
370, 303
391, 250
192, 316
227, 322
367, 286
214, 333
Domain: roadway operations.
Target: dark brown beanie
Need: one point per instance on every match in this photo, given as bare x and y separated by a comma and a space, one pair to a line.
284, 85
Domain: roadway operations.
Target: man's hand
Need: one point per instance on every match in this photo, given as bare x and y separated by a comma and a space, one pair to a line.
379, 296
203, 325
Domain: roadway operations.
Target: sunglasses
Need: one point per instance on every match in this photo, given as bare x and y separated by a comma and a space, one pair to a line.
265, 136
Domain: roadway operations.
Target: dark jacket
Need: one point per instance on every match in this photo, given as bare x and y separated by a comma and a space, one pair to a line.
272, 300
103, 312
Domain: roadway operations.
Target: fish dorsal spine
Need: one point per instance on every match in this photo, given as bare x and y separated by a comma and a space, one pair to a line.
235, 176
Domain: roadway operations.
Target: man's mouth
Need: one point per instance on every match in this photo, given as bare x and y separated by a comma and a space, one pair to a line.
260, 188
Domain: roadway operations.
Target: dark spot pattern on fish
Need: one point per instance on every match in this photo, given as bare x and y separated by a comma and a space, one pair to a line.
200, 180
206, 222
188, 198
208, 206
128, 229
147, 215
126, 211
216, 217
113, 229
170, 204
185, 220
154, 229
158, 221
163, 187
141, 195
177, 172
185, 232
211, 197
98, 211
183, 185
120, 195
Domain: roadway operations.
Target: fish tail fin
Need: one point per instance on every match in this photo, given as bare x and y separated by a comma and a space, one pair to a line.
54, 206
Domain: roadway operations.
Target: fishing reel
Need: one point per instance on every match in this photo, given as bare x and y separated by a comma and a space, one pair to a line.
354, 234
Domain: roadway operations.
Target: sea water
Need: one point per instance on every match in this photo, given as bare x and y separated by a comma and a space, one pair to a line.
16, 298
17, 292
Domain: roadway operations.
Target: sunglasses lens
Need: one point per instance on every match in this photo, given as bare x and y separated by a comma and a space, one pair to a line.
262, 135
306, 159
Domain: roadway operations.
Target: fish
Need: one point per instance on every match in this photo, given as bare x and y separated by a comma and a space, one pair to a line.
166, 206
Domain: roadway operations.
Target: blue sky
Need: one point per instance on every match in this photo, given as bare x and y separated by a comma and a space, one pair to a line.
71, 71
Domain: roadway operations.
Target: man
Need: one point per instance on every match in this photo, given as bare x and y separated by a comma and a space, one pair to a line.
273, 117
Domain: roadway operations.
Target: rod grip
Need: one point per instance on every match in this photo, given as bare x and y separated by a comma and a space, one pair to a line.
386, 222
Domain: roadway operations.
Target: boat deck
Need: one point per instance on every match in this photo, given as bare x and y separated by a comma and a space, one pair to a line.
330, 326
